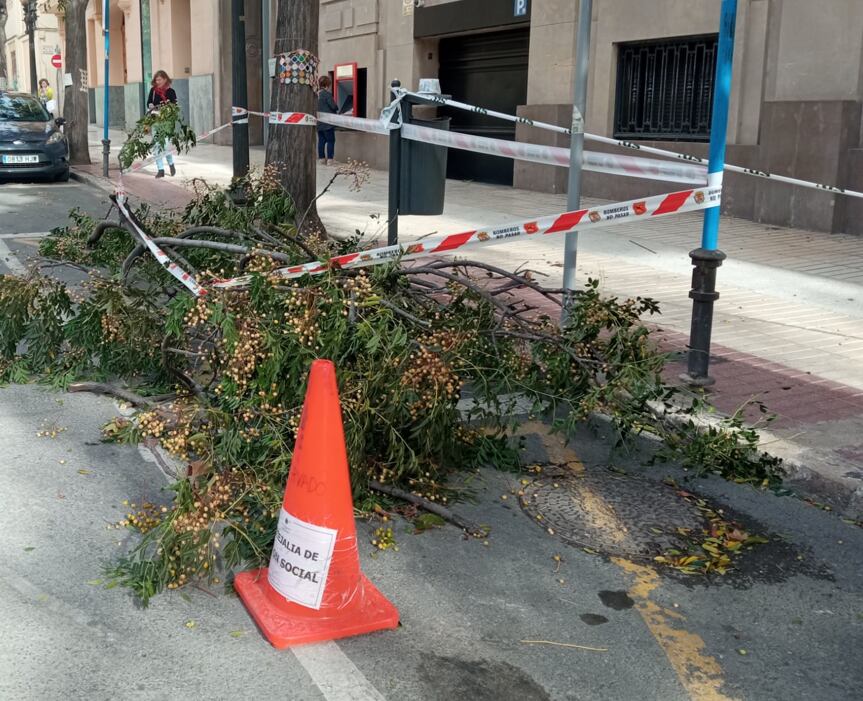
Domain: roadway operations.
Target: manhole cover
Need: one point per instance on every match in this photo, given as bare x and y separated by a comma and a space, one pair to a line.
612, 513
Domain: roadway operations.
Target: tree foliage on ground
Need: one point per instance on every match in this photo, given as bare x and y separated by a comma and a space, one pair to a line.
437, 362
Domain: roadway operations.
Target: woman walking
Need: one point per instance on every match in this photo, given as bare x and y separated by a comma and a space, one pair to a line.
161, 93
326, 132
46, 97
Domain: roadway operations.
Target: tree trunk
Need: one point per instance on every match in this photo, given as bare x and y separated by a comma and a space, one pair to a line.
77, 104
3, 72
291, 149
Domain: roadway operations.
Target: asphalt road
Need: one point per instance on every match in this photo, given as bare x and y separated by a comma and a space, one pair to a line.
29, 210
787, 626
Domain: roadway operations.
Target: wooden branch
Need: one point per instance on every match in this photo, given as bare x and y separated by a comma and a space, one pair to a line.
100, 229
469, 527
102, 388
182, 377
407, 315
515, 277
298, 243
323, 192
218, 246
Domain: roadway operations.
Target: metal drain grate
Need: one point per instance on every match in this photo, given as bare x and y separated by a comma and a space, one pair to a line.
611, 513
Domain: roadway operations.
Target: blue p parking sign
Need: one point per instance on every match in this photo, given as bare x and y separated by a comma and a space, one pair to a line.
519, 8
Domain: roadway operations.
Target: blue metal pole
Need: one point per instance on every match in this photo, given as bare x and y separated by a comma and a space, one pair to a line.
719, 123
708, 258
106, 141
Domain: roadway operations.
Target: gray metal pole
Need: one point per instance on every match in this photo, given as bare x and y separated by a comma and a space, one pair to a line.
579, 108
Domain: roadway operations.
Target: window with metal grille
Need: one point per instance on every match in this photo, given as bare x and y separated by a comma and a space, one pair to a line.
665, 89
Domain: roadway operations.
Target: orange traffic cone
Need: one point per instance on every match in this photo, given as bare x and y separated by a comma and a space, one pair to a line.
313, 589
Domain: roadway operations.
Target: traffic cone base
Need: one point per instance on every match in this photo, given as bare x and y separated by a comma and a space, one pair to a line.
285, 624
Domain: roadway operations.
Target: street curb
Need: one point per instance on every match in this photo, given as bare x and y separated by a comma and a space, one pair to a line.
800, 476
94, 181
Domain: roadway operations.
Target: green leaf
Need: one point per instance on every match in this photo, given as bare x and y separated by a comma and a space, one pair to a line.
425, 522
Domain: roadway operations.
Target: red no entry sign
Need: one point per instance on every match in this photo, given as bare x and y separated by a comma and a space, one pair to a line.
57, 61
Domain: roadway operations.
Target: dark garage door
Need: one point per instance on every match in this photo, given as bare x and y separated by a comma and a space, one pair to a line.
487, 70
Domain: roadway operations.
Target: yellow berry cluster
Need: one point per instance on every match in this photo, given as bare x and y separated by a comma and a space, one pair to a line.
210, 506
199, 314
152, 423
50, 431
431, 378
181, 571
146, 518
301, 315
112, 329
445, 340
246, 354
426, 487
383, 539
358, 286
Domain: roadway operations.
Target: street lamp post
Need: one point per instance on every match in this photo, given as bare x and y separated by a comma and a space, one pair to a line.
30, 17
708, 258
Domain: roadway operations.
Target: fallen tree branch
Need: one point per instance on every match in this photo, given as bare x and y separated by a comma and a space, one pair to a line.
469, 527
402, 313
296, 241
219, 246
519, 278
182, 377
124, 394
101, 228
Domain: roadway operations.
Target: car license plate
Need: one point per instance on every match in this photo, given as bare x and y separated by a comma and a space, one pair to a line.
27, 158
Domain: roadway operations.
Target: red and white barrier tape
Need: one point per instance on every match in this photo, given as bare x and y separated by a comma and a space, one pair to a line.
298, 118
632, 146
175, 270
582, 219
610, 163
374, 126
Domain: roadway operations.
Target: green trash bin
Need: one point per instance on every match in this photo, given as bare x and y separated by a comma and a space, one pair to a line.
423, 172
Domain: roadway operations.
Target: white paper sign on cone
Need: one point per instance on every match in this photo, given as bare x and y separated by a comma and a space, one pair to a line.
300, 561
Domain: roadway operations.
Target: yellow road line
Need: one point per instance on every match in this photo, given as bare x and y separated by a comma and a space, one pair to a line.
700, 673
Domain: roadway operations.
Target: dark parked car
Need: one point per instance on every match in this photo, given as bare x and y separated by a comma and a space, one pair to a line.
31, 143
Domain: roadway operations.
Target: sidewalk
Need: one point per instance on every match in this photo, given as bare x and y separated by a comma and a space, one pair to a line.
788, 328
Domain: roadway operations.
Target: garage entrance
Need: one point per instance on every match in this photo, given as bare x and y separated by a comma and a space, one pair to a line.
487, 70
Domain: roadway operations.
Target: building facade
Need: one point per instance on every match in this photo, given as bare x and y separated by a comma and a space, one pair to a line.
795, 105
17, 48
796, 102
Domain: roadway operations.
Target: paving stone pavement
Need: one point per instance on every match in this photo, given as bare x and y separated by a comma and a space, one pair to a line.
788, 327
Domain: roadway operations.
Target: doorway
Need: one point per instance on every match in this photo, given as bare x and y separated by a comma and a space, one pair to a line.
488, 70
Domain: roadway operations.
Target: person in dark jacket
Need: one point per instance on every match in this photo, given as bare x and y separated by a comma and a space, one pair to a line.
326, 132
161, 93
